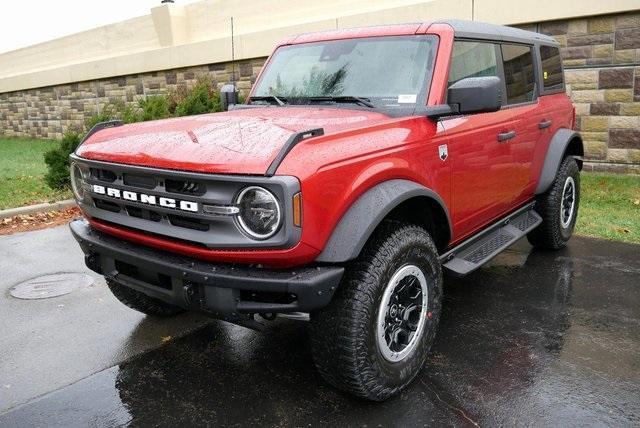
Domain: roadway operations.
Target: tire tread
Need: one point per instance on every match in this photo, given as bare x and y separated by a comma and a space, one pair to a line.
336, 339
549, 234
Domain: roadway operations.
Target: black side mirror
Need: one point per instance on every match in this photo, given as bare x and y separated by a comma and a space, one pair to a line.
475, 95
228, 96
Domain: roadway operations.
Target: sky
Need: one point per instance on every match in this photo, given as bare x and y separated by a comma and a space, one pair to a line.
27, 22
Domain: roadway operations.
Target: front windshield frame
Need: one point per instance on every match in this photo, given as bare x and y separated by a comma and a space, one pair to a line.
393, 109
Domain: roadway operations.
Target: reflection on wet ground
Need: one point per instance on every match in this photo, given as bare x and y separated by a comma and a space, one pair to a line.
532, 339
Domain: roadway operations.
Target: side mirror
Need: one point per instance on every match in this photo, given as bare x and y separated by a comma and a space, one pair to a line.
475, 95
228, 96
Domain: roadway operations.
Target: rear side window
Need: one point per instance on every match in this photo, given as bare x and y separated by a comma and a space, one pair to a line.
518, 73
472, 59
551, 68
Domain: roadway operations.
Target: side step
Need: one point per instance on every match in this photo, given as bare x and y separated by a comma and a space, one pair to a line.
479, 249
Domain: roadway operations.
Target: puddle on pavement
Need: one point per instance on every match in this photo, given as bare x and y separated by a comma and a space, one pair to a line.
510, 258
51, 285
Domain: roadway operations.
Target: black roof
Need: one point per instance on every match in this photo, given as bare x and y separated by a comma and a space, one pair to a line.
482, 30
475, 30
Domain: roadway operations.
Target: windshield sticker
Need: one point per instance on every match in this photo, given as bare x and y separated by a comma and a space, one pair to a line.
407, 99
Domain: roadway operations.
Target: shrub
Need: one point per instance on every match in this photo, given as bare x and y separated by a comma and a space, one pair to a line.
202, 98
128, 114
57, 161
117, 110
150, 108
155, 107
175, 97
103, 116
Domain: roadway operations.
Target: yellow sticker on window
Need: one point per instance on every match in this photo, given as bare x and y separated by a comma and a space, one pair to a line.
546, 74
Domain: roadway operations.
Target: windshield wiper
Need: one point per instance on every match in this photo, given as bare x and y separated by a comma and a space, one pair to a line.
267, 98
345, 98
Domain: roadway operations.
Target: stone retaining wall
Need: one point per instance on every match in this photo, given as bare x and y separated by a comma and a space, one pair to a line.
602, 71
48, 112
602, 66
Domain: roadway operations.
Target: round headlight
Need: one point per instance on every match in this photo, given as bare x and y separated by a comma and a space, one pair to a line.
259, 214
77, 181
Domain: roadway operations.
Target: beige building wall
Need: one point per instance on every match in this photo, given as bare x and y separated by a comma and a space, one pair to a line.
174, 36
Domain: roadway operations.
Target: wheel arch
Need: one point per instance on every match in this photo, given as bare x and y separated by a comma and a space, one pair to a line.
396, 199
565, 142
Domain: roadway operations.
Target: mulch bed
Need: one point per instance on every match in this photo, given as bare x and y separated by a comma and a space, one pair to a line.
37, 221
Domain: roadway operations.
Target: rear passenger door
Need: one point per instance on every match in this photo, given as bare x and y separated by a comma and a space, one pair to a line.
520, 75
481, 161
554, 107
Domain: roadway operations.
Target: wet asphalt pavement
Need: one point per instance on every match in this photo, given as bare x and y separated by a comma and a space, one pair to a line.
533, 339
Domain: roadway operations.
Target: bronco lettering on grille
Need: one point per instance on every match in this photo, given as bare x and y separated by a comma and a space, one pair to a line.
143, 198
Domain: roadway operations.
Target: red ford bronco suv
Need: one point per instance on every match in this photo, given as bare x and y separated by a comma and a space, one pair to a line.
364, 164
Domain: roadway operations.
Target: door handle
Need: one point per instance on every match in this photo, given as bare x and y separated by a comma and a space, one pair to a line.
544, 124
504, 136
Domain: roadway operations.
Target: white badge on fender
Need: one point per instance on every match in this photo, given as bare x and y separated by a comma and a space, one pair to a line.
443, 152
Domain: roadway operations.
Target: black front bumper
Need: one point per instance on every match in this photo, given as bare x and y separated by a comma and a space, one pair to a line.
217, 289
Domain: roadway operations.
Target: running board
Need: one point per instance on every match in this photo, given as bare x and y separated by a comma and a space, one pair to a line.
479, 249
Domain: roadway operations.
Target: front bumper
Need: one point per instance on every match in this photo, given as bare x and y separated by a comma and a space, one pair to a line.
217, 289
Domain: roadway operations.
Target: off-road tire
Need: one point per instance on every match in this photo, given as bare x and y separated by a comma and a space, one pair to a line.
343, 334
551, 234
141, 302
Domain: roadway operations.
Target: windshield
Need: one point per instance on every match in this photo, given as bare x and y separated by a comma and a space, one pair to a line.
387, 71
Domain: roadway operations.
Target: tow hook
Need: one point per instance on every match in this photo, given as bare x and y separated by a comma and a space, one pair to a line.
188, 291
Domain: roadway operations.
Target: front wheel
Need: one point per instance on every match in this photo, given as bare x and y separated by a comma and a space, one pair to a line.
374, 337
558, 208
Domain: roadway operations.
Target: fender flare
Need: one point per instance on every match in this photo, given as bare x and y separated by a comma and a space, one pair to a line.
365, 214
100, 126
555, 153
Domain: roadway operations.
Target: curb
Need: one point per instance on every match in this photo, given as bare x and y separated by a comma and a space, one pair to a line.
39, 208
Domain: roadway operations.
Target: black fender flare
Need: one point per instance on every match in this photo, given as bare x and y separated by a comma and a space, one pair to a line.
100, 126
555, 153
365, 214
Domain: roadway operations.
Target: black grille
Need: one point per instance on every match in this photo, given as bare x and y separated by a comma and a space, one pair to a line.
145, 182
185, 187
107, 205
157, 185
170, 204
158, 235
142, 213
103, 175
188, 223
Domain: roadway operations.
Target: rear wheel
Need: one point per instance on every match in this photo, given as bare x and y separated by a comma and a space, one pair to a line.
558, 208
141, 302
374, 337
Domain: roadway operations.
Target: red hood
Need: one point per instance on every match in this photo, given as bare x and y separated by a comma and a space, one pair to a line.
240, 141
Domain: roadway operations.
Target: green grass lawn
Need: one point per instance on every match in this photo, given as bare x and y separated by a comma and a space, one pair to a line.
610, 207
22, 170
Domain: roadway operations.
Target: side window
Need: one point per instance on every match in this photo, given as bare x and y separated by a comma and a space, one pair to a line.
518, 73
551, 68
472, 59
